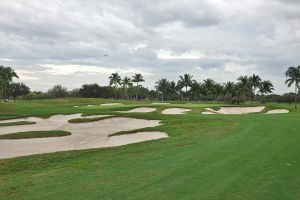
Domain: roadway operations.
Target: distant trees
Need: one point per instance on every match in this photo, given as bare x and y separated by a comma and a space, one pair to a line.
95, 91
115, 80
265, 87
137, 78
293, 78
255, 82
246, 88
6, 76
126, 83
162, 86
37, 95
16, 90
58, 91
185, 81
243, 90
208, 88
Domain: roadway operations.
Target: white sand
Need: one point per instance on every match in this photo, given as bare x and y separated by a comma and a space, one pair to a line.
90, 105
75, 106
84, 135
277, 111
175, 111
235, 110
208, 113
111, 104
139, 110
210, 110
160, 103
135, 138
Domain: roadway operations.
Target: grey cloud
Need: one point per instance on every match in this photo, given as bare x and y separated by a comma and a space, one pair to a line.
257, 33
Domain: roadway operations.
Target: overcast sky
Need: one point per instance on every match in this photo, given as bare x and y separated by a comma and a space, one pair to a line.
65, 41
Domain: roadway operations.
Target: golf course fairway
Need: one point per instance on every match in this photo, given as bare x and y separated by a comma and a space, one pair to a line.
207, 157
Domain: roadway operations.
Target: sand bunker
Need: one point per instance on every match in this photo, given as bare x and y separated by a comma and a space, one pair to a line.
111, 104
277, 111
235, 110
160, 103
211, 110
84, 135
139, 110
175, 111
208, 113
76, 106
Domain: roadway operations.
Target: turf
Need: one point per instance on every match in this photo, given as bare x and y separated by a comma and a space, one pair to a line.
17, 123
206, 157
35, 134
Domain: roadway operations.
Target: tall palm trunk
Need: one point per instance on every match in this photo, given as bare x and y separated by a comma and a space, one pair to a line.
186, 92
136, 92
296, 95
254, 95
5, 90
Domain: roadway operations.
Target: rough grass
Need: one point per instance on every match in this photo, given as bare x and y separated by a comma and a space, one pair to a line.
207, 157
35, 134
17, 123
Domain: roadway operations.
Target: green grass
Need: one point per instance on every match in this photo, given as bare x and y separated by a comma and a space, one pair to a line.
35, 134
17, 123
84, 120
207, 157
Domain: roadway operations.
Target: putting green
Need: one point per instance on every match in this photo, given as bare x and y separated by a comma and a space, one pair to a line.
206, 157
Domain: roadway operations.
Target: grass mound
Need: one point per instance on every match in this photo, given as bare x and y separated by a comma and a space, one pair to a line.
35, 134
84, 120
17, 123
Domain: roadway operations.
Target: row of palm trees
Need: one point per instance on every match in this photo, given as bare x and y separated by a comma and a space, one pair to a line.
116, 81
244, 89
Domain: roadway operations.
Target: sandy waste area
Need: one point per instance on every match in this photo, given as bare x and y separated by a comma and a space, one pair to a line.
160, 103
111, 104
84, 135
277, 111
175, 111
234, 110
139, 110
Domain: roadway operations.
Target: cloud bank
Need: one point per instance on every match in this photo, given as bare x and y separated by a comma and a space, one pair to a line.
72, 42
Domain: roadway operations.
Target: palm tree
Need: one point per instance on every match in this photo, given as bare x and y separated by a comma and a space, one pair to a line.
293, 77
162, 86
115, 80
6, 76
255, 82
172, 90
196, 90
244, 87
126, 83
219, 91
137, 78
209, 88
186, 81
265, 88
179, 87
229, 88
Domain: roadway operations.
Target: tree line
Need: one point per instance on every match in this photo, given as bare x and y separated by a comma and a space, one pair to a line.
186, 88
8, 88
245, 88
